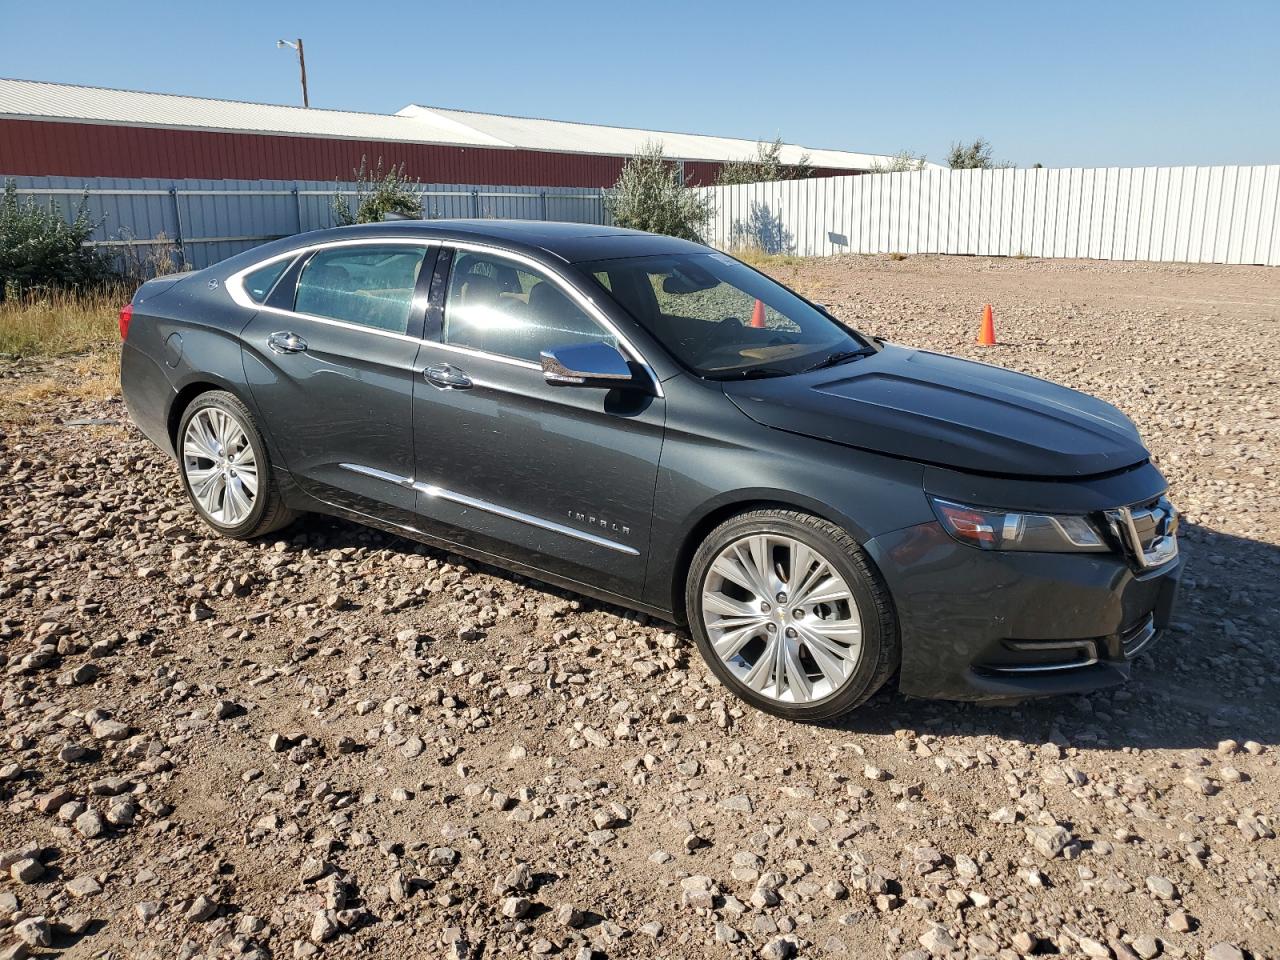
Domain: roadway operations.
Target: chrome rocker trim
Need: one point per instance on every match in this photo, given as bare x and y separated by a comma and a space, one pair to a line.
453, 496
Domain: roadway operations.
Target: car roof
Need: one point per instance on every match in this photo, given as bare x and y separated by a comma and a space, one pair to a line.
571, 242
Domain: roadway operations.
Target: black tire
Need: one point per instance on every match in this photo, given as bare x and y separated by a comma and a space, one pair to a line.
269, 512
880, 653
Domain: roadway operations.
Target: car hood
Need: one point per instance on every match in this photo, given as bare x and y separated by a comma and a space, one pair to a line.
943, 410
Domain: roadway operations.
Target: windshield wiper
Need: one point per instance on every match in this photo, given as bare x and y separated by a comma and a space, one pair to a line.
760, 373
843, 356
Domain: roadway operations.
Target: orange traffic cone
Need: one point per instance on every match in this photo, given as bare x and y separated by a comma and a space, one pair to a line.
757, 315
987, 334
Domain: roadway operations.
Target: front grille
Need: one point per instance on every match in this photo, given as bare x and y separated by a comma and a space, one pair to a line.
1148, 532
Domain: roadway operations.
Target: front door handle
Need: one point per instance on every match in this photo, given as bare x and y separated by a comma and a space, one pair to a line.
447, 377
286, 341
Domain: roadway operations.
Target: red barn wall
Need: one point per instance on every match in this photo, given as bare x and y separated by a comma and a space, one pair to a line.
56, 149
41, 148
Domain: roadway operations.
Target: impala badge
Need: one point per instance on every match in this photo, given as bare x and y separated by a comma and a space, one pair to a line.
599, 523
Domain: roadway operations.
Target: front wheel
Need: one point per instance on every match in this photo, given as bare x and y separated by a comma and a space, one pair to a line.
790, 615
225, 469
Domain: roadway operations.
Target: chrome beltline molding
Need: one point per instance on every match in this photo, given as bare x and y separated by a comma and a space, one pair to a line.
453, 496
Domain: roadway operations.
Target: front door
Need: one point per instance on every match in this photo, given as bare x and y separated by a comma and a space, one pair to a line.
561, 478
330, 361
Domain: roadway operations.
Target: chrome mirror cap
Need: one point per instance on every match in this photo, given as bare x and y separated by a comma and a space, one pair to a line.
587, 364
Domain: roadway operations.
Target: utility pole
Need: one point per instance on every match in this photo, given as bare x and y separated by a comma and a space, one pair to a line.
302, 64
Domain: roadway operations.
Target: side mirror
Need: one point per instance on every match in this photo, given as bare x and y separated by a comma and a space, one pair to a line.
587, 365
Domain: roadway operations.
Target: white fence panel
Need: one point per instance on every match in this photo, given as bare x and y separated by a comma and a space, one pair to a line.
1172, 214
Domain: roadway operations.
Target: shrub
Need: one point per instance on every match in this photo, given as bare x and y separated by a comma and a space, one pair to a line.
765, 165
970, 156
974, 156
650, 195
40, 250
142, 261
901, 162
378, 194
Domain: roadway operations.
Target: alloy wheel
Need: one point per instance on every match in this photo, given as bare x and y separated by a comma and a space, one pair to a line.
781, 618
220, 466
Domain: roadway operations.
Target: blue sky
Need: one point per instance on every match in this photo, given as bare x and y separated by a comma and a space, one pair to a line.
1062, 84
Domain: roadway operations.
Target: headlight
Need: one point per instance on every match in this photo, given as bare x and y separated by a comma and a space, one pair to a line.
1001, 530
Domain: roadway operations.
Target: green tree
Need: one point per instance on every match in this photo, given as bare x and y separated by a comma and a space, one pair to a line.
39, 249
901, 162
765, 165
379, 193
970, 156
650, 195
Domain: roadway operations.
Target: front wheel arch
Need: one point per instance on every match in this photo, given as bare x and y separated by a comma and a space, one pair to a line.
880, 637
717, 515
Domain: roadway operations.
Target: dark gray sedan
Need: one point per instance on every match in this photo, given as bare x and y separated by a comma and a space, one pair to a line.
653, 423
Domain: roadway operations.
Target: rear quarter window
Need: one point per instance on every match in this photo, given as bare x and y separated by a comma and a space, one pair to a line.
259, 283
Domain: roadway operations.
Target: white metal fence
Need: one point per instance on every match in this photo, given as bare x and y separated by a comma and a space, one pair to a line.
1179, 214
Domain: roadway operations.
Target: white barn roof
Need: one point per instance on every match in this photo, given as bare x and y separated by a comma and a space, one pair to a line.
530, 133
37, 100
31, 100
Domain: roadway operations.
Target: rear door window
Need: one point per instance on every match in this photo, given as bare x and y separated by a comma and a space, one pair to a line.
372, 286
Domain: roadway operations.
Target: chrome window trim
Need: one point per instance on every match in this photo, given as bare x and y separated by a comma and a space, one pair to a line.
234, 284
587, 304
483, 354
432, 490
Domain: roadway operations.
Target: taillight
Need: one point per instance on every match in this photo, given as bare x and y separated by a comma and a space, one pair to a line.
126, 314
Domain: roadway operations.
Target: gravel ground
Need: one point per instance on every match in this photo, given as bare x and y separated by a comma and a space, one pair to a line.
342, 744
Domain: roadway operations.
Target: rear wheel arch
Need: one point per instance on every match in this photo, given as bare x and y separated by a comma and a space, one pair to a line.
183, 400
232, 441
203, 384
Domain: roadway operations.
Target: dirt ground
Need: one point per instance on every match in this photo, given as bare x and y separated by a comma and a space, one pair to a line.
342, 744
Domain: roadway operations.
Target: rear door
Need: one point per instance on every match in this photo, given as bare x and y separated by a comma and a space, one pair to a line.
560, 478
330, 360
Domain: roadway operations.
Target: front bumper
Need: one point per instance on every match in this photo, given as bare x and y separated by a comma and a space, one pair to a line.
986, 625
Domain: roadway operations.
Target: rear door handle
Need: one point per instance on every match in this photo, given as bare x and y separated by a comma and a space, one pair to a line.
447, 377
286, 341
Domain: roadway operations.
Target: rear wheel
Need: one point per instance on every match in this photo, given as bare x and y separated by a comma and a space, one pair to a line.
225, 468
790, 615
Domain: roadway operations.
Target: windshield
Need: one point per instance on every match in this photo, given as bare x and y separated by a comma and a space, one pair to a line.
721, 319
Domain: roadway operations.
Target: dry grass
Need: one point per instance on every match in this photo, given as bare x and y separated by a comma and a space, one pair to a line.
66, 345
767, 261
90, 377
60, 323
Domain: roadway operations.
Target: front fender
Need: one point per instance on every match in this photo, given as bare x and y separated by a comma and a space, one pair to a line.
722, 459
